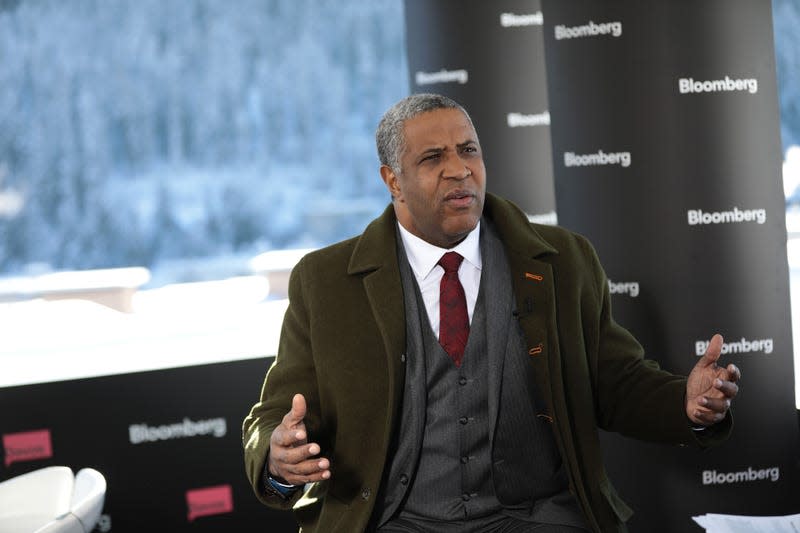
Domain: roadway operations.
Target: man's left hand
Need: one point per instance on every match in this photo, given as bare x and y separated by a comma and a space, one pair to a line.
711, 388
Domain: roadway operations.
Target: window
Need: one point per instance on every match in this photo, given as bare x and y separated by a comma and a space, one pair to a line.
151, 151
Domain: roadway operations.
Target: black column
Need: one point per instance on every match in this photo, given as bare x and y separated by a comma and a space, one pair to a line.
489, 57
667, 156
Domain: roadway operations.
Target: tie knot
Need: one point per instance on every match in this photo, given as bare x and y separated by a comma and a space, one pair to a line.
450, 262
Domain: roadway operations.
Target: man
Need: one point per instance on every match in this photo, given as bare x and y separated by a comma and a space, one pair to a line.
417, 389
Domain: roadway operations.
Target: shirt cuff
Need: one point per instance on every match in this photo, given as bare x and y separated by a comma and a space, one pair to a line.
276, 487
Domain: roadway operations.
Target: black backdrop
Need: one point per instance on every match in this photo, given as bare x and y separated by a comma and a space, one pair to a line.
89, 422
499, 46
644, 143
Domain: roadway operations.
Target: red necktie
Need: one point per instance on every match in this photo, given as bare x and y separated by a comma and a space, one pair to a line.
453, 317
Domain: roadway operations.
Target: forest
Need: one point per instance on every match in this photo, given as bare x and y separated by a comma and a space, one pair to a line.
169, 132
136, 132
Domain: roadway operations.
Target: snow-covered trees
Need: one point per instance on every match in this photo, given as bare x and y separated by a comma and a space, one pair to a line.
136, 130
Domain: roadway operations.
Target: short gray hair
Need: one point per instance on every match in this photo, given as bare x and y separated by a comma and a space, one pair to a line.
390, 138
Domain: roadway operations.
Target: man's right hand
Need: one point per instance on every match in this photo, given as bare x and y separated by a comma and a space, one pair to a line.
291, 458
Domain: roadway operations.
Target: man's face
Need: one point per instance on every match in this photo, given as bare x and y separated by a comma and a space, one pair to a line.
438, 195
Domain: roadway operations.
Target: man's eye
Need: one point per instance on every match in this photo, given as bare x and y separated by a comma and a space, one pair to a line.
430, 157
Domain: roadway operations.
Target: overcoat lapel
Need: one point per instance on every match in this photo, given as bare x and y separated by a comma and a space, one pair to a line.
375, 260
536, 312
534, 296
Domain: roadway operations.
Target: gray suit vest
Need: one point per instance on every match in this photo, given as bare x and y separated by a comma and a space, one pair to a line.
469, 443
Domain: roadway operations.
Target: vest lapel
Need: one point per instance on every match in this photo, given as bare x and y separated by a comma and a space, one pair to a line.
494, 277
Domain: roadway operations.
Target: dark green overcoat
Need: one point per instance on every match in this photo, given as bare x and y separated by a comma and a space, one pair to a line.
343, 341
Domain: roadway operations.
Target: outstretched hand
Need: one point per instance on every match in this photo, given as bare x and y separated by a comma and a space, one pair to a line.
291, 458
711, 388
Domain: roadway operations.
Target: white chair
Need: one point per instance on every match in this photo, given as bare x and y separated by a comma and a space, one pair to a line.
32, 500
52, 500
67, 523
88, 497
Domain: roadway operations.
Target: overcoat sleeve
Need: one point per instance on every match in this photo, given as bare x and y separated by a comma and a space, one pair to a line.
633, 396
292, 372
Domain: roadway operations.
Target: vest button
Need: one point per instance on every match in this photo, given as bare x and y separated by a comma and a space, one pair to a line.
463, 420
465, 497
464, 460
365, 493
462, 381
404, 479
402, 358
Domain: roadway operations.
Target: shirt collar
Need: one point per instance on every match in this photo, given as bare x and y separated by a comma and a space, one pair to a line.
423, 256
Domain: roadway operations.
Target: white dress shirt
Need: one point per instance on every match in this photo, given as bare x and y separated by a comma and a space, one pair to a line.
423, 258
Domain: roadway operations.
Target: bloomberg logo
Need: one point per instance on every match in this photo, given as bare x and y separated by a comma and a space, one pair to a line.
741, 346
139, 433
443, 76
511, 20
628, 288
600, 157
728, 84
518, 120
697, 217
588, 30
712, 477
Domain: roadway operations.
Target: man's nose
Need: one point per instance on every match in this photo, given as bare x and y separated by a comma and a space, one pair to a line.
455, 167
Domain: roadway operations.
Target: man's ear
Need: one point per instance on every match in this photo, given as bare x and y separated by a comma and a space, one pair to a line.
390, 179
